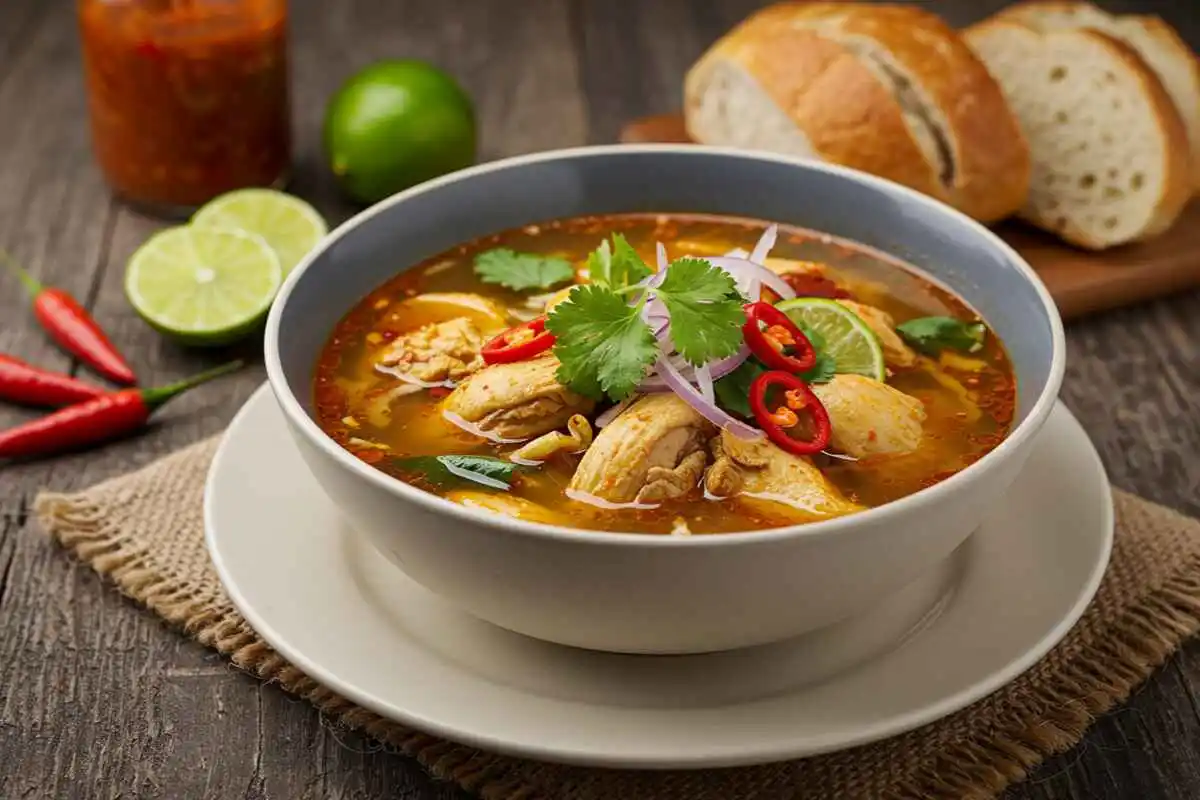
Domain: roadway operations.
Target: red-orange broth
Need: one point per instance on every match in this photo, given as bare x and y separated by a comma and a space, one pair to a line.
969, 400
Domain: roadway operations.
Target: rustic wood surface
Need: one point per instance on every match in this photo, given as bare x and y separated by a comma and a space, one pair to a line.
98, 699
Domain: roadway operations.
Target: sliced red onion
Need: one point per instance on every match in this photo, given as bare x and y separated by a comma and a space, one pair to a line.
717, 369
704, 382
704, 407
737, 252
765, 242
660, 252
611, 413
404, 376
744, 270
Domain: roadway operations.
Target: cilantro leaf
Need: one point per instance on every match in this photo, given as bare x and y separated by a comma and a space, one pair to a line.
603, 344
521, 271
933, 334
494, 473
822, 371
733, 390
705, 309
617, 266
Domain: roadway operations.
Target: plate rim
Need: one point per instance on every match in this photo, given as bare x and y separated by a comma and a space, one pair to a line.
548, 752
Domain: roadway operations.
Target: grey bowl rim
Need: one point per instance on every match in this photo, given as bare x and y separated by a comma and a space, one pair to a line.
1017, 438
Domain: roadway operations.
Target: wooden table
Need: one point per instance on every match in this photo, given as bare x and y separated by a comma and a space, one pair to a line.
98, 699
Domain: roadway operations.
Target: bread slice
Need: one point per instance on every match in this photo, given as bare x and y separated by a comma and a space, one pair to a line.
1155, 41
890, 90
1110, 155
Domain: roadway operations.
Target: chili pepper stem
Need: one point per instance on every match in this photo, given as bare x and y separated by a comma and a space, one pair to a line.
157, 396
30, 283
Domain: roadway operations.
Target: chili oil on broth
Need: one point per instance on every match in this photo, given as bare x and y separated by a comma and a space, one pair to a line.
969, 400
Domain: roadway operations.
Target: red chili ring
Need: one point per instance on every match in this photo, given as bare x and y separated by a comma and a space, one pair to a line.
804, 358
499, 351
822, 429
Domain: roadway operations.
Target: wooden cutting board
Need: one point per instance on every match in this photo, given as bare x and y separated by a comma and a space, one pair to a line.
1080, 281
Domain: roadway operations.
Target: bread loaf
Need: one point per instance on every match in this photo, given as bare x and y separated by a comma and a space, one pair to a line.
1110, 154
889, 90
1154, 40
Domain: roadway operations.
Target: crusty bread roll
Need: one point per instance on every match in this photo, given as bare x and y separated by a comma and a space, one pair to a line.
1155, 41
890, 90
1110, 154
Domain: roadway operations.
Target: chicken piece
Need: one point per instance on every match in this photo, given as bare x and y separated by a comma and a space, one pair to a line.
869, 417
895, 352
509, 505
769, 480
654, 450
489, 315
436, 352
515, 401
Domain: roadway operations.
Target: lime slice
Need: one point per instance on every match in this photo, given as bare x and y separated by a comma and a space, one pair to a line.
853, 345
291, 226
203, 286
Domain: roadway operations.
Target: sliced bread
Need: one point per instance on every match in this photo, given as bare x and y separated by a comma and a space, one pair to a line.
890, 90
1110, 154
1155, 41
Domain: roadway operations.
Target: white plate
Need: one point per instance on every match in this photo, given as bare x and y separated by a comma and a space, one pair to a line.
335, 608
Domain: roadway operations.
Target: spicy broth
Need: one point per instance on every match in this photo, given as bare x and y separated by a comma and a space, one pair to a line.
969, 400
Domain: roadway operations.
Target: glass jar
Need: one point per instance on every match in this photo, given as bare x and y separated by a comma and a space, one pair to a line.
187, 98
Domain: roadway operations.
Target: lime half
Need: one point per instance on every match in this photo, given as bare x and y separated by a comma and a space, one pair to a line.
291, 226
854, 346
203, 286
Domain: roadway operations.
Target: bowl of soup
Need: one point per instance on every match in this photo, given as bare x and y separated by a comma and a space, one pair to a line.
663, 399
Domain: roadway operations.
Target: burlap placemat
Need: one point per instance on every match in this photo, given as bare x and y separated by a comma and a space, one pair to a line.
144, 531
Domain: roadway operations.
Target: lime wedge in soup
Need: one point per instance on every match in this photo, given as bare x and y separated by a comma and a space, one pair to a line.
853, 346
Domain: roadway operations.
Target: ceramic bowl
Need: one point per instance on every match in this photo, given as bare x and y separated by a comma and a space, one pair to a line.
650, 594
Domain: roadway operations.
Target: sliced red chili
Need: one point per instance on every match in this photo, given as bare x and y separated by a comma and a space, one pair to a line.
773, 343
519, 343
779, 421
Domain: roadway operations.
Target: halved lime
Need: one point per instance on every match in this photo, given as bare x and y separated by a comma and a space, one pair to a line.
291, 226
203, 286
853, 345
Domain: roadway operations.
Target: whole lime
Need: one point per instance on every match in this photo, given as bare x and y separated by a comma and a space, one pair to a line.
395, 124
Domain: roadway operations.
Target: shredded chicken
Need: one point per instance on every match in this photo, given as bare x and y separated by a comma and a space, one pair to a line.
761, 475
869, 417
652, 451
437, 352
509, 505
516, 401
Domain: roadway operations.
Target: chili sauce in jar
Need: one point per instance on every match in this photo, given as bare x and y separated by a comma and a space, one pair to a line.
188, 99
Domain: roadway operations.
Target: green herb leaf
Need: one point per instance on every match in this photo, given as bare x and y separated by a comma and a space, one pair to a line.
822, 371
603, 344
521, 271
705, 309
933, 334
617, 266
733, 390
494, 473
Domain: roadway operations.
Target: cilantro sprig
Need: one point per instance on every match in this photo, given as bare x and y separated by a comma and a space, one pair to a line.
606, 348
522, 271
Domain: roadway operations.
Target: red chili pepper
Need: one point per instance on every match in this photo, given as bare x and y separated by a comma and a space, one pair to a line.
72, 327
797, 399
518, 343
806, 285
32, 386
781, 334
99, 419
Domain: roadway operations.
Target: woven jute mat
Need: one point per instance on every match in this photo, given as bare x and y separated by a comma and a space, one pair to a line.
144, 532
